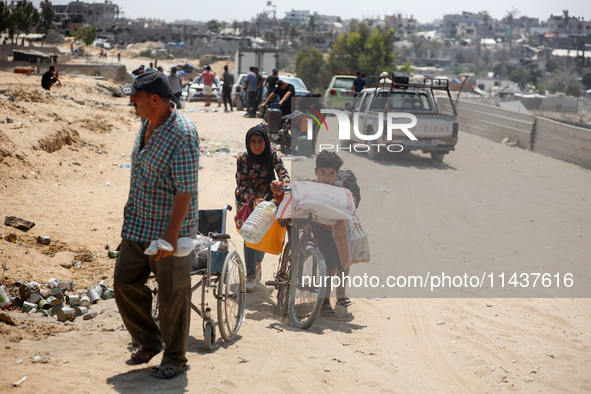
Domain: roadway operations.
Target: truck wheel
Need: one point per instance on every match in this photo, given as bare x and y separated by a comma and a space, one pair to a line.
437, 156
346, 144
373, 154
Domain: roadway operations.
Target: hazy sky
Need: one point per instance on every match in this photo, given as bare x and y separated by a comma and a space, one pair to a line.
423, 11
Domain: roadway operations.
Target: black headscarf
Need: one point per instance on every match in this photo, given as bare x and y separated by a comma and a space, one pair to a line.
265, 159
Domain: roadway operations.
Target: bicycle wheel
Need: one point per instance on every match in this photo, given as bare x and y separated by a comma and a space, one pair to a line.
307, 290
231, 297
283, 279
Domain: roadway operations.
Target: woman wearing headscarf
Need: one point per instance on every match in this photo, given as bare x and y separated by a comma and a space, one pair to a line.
260, 172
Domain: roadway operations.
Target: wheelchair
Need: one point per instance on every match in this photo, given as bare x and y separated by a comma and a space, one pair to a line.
223, 273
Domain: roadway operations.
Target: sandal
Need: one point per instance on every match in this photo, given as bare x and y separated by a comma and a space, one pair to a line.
142, 356
327, 310
345, 302
168, 371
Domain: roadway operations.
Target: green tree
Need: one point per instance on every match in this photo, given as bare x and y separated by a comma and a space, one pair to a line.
5, 17
369, 50
485, 19
511, 14
25, 15
312, 69
86, 34
213, 26
566, 17
566, 83
47, 13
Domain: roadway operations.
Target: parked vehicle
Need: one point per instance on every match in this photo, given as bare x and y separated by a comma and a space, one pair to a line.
436, 133
195, 91
238, 100
338, 93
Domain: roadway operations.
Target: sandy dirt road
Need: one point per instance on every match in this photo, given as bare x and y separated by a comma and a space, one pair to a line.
486, 203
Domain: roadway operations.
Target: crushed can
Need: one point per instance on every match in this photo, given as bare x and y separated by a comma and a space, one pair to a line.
35, 298
18, 283
43, 240
85, 300
43, 304
57, 293
45, 293
104, 284
10, 238
93, 296
73, 300
99, 289
81, 310
108, 294
17, 302
68, 285
113, 254
66, 313
54, 309
28, 307
54, 301
4, 299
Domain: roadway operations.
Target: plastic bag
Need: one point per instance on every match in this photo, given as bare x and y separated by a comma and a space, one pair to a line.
185, 245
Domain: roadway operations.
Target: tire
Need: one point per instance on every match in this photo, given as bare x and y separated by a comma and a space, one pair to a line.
209, 335
373, 154
306, 297
437, 156
285, 140
231, 297
283, 278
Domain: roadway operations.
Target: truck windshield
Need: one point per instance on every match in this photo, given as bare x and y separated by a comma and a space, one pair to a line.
403, 101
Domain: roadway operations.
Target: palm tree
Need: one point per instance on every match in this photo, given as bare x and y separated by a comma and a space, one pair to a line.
511, 14
485, 19
566, 19
25, 15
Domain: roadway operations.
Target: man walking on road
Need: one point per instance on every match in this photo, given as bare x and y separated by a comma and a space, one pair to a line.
251, 92
228, 79
208, 78
162, 204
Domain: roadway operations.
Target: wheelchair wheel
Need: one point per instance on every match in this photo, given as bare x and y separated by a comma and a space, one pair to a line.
283, 278
209, 334
306, 293
231, 297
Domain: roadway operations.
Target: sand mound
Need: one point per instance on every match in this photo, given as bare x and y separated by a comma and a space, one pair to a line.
56, 140
31, 96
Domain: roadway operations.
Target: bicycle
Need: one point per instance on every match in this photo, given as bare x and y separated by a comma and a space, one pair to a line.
300, 286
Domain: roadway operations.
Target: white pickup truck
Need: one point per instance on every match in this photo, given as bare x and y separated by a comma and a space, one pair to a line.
435, 133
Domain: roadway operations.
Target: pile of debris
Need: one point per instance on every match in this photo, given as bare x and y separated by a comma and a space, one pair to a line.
55, 298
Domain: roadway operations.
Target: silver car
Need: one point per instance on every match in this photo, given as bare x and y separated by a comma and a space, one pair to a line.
195, 91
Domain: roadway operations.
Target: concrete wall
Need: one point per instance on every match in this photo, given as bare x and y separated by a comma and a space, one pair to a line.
562, 141
552, 138
116, 72
494, 123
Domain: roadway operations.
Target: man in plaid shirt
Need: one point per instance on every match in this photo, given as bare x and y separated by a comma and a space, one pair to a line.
162, 204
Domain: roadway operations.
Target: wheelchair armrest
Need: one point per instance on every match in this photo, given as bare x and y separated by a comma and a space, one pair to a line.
218, 236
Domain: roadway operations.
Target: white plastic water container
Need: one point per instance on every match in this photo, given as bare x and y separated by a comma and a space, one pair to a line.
259, 222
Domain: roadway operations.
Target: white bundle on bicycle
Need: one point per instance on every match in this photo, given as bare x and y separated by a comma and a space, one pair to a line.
333, 206
327, 203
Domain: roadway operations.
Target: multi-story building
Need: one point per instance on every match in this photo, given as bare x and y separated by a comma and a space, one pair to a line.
403, 26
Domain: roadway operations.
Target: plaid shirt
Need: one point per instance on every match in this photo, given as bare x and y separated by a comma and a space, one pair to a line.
165, 166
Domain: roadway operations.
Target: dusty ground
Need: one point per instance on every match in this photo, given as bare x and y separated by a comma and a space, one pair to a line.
60, 167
